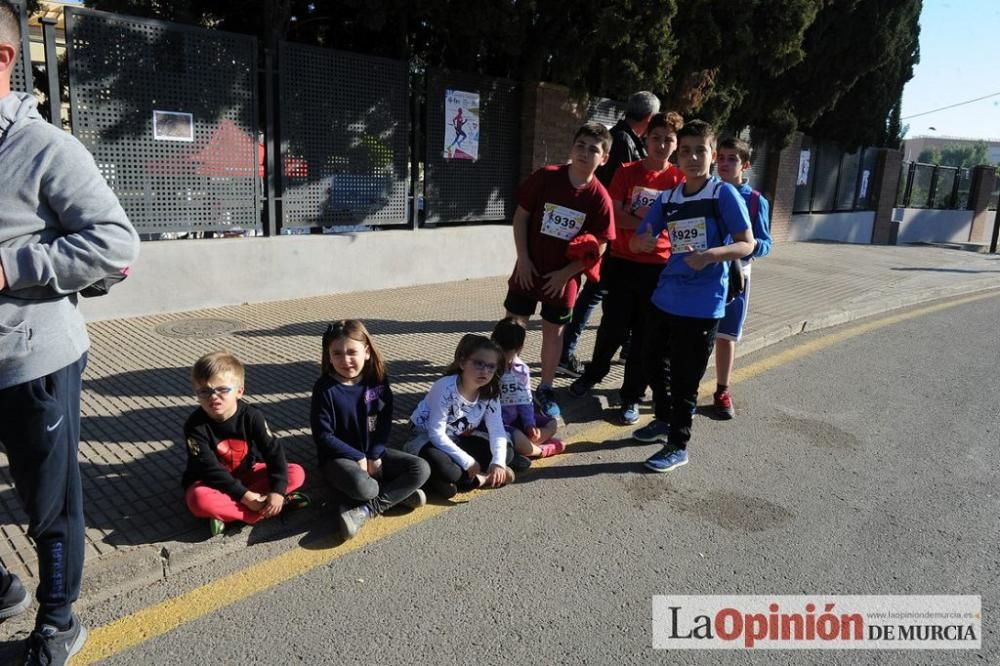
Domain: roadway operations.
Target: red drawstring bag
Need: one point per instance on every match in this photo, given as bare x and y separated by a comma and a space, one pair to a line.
587, 249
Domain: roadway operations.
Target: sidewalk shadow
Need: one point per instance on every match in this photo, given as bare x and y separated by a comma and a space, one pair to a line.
943, 270
378, 327
261, 379
580, 471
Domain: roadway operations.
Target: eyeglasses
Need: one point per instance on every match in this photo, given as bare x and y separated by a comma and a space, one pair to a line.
206, 393
483, 365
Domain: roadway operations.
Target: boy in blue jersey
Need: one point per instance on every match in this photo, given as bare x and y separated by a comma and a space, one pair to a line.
700, 216
733, 160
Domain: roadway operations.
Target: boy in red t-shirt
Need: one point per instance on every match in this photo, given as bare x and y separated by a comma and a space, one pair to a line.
556, 204
630, 277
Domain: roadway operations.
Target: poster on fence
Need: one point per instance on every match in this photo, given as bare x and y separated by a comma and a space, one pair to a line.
803, 177
461, 130
173, 126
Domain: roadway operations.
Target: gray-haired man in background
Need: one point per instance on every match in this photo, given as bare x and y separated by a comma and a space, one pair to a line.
627, 145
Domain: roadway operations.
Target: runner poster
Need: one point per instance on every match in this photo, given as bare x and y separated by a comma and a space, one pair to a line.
461, 130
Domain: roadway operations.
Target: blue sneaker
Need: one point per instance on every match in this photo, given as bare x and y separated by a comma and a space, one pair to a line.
545, 396
666, 459
656, 432
630, 413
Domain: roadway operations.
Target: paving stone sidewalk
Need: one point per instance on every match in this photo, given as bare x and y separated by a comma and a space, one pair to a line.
137, 392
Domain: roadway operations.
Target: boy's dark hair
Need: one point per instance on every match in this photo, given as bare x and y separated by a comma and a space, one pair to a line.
642, 104
698, 128
509, 334
10, 25
374, 371
595, 131
672, 120
214, 364
469, 345
741, 147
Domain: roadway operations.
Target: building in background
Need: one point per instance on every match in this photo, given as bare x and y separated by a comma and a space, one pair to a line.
912, 147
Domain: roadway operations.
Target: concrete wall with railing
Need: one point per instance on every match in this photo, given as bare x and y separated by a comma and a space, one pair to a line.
172, 276
853, 227
919, 225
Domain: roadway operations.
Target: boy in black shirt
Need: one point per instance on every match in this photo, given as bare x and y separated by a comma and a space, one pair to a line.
236, 467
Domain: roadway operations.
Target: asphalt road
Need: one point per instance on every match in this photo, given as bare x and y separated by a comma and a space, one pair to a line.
870, 467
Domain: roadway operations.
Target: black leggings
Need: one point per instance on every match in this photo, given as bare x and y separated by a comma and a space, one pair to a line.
444, 469
402, 474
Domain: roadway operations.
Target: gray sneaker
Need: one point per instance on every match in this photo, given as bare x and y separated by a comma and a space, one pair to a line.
47, 646
15, 598
351, 520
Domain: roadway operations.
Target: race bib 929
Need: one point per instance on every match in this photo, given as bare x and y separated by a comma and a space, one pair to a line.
688, 232
561, 222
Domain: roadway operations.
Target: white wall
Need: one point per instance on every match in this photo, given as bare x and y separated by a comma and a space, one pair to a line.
841, 227
933, 226
172, 276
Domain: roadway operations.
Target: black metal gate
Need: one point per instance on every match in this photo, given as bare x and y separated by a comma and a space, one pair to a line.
170, 114
461, 189
344, 132
21, 79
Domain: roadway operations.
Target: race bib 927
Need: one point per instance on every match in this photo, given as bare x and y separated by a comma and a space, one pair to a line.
561, 222
688, 232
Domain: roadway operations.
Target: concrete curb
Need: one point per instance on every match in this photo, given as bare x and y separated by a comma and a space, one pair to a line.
135, 567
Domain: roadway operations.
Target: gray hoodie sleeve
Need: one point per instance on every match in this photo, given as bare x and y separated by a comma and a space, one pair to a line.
96, 238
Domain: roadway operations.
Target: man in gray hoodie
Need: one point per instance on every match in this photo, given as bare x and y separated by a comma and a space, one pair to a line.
61, 230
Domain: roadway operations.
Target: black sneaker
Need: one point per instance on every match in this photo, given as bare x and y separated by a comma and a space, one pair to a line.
47, 646
442, 489
520, 462
571, 366
297, 500
15, 598
580, 387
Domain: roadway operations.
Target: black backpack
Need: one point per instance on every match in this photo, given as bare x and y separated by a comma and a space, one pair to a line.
737, 280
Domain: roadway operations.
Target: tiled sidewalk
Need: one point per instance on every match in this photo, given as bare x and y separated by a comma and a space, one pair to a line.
137, 392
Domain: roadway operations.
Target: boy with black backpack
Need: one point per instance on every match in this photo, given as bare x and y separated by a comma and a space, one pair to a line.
700, 215
733, 160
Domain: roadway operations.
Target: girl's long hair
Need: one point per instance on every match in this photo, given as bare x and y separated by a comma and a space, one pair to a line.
469, 345
374, 370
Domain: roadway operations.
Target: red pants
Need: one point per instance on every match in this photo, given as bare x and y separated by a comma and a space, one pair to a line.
205, 502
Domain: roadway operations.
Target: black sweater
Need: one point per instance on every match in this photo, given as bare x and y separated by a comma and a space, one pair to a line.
213, 449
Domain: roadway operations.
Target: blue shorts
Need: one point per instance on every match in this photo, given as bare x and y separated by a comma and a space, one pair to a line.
731, 325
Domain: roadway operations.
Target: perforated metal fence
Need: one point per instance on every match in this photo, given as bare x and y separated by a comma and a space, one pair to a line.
21, 79
345, 124
461, 189
170, 115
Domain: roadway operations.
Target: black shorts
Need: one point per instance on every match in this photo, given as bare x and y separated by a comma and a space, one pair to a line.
523, 305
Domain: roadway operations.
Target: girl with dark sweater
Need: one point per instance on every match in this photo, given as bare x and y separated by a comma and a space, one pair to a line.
351, 416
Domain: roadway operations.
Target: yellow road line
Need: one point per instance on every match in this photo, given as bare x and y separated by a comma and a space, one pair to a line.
163, 617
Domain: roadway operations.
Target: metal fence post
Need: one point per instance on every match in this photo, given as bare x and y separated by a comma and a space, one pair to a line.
911, 172
271, 222
52, 71
996, 231
416, 138
932, 195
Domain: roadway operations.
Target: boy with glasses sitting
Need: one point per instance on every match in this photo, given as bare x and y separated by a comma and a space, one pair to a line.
236, 467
